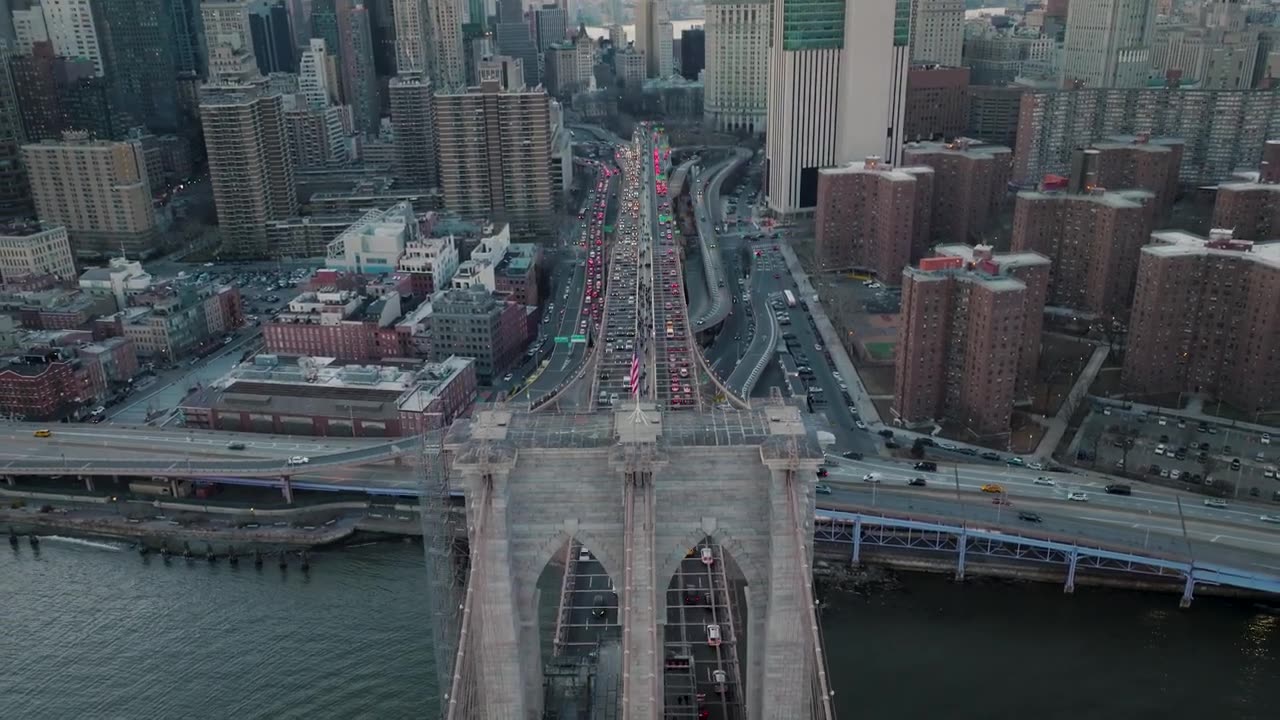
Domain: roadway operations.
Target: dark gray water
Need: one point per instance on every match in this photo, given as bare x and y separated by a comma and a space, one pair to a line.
94, 631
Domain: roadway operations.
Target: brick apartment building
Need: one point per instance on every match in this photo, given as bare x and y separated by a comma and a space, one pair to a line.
1136, 163
937, 103
873, 217
1093, 241
970, 182
171, 322
964, 338
45, 384
1205, 319
1251, 210
518, 274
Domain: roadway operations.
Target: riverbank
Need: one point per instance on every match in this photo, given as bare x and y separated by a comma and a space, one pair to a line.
220, 529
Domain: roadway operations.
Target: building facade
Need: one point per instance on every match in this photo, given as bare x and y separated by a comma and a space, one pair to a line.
837, 92
1093, 241
495, 156
1250, 210
472, 323
249, 164
969, 338
1221, 130
29, 250
1108, 43
1204, 320
413, 127
937, 103
68, 25
736, 88
872, 218
138, 50
98, 190
970, 182
937, 32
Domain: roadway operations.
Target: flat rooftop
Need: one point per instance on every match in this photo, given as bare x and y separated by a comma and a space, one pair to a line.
1111, 198
1170, 243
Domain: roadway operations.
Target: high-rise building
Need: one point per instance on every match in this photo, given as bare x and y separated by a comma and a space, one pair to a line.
506, 71
1221, 130
736, 83
837, 91
226, 22
30, 250
1204, 320
693, 53
1139, 163
873, 218
446, 37
138, 49
359, 81
68, 24
36, 81
629, 68
937, 103
1211, 58
15, 192
969, 186
551, 25
514, 39
324, 24
413, 126
383, 31
272, 36
98, 189
249, 164
1251, 210
413, 51
937, 32
317, 76
1108, 43
495, 156
188, 37
654, 37
1093, 241
317, 137
969, 338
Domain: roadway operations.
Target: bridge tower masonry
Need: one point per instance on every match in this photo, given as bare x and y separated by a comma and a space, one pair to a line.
639, 488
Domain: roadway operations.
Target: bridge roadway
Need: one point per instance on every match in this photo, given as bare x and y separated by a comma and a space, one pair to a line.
1147, 519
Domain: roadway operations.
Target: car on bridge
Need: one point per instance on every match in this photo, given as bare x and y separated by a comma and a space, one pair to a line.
713, 635
1029, 516
298, 460
822, 489
43, 433
871, 478
1078, 496
992, 488
917, 482
1042, 480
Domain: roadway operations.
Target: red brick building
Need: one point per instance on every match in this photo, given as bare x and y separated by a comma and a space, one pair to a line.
1250, 210
344, 325
970, 183
1205, 320
961, 346
1137, 163
45, 385
872, 217
937, 103
1093, 242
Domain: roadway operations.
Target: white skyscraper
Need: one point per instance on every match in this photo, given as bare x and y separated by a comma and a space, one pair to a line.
65, 24
665, 35
412, 36
737, 72
226, 22
315, 76
446, 38
654, 37
837, 89
937, 32
1108, 43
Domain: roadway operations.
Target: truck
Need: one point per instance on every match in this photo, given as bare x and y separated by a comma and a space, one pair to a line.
790, 298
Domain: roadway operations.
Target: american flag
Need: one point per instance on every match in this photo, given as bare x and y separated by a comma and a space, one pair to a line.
635, 373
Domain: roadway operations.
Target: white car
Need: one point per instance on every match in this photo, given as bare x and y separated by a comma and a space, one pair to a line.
861, 425
1078, 497
1270, 518
871, 478
1035, 465
1042, 480
1215, 503
948, 446
298, 460
1265, 439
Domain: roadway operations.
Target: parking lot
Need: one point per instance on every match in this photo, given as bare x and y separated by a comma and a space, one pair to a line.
1186, 452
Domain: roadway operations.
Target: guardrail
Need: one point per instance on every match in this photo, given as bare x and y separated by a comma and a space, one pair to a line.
762, 343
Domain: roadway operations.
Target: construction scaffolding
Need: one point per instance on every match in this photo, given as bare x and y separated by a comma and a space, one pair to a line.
444, 544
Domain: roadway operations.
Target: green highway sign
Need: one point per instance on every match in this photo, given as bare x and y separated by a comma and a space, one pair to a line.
561, 340
608, 228
578, 338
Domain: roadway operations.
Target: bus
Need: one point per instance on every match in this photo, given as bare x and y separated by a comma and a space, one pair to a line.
791, 299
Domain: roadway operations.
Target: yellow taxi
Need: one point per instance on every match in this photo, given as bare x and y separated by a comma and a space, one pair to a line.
992, 488
43, 433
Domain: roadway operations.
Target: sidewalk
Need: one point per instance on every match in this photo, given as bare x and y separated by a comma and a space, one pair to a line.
1059, 423
1193, 411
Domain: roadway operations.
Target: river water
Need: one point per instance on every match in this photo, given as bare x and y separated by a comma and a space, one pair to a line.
92, 630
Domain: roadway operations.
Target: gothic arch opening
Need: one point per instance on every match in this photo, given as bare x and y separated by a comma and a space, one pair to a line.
705, 635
